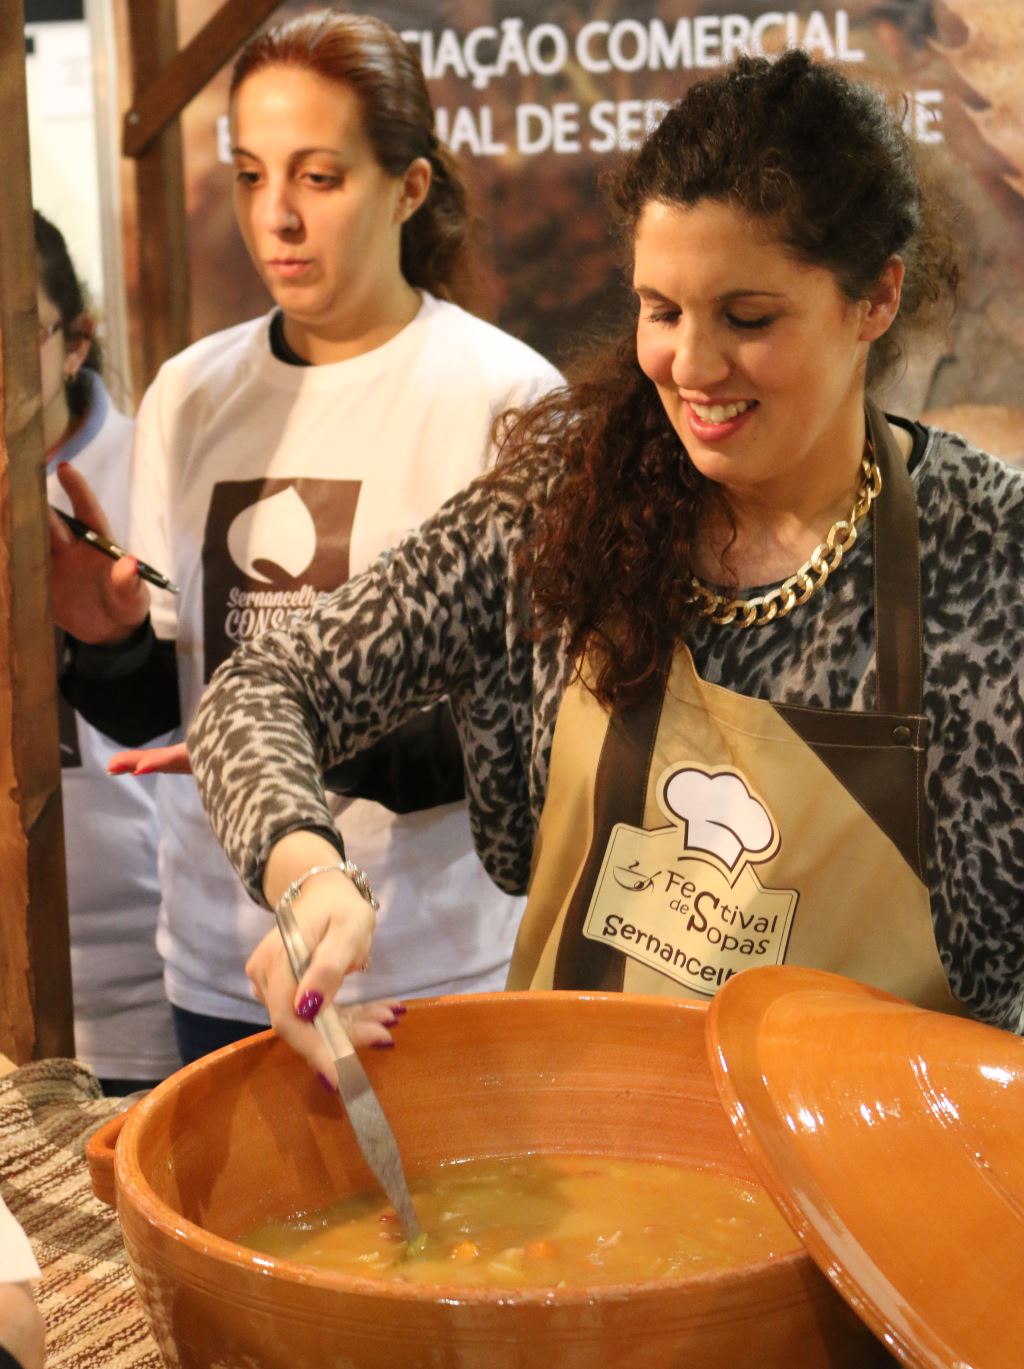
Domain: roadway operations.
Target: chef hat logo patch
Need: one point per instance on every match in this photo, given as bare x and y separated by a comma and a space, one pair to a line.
686, 899
719, 816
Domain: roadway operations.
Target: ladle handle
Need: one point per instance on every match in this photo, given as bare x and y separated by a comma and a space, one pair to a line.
328, 1023
372, 1130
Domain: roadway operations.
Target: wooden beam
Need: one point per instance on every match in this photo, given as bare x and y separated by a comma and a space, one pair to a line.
184, 76
36, 1017
153, 202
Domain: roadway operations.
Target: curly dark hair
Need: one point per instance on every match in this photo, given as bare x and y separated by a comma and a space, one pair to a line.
369, 58
825, 162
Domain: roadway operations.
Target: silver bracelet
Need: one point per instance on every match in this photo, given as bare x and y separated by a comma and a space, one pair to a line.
347, 867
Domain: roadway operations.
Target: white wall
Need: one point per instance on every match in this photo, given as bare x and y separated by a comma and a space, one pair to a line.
62, 142
73, 133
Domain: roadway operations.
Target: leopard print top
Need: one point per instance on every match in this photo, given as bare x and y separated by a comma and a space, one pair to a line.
442, 614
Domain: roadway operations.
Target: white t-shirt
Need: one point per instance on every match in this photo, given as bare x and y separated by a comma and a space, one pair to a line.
257, 484
122, 1019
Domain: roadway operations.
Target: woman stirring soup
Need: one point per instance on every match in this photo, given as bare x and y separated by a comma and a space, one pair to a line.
278, 457
735, 657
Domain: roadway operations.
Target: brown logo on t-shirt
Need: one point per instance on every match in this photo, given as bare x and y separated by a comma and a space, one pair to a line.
269, 547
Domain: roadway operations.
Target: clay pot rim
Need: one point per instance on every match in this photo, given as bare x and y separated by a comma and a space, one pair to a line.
137, 1197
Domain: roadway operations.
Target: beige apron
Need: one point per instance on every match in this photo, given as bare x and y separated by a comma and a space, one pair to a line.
700, 832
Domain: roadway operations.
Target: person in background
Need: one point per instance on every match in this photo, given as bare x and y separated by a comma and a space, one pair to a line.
123, 1028
276, 459
734, 656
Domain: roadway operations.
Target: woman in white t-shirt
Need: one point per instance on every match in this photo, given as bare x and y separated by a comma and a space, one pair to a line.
277, 458
123, 1025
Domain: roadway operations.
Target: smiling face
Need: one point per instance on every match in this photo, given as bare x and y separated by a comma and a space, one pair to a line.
758, 358
319, 215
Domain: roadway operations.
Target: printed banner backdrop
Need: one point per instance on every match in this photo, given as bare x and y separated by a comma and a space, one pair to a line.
538, 98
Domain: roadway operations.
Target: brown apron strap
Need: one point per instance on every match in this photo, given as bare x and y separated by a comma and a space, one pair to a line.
620, 795
844, 742
897, 570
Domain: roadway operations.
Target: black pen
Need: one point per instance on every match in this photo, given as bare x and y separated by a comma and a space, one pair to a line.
111, 549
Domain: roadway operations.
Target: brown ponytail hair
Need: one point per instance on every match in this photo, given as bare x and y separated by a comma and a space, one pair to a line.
368, 57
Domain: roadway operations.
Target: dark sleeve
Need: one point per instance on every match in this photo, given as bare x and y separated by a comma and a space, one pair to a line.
417, 766
128, 691
7, 1360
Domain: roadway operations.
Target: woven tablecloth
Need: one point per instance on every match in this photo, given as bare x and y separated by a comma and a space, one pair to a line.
93, 1319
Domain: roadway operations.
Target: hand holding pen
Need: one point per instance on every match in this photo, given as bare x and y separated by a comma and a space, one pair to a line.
98, 599
111, 549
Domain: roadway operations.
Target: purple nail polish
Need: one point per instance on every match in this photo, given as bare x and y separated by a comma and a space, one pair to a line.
309, 1005
399, 1009
382, 1045
326, 1083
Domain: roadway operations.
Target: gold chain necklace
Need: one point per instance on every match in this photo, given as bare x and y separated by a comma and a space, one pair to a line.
798, 587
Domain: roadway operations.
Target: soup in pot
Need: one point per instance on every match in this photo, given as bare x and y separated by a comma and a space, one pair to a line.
543, 1221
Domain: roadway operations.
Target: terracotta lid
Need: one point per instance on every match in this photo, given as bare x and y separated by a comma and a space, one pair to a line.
892, 1139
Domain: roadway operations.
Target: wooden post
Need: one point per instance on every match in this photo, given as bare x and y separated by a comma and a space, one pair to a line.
189, 70
154, 223
157, 82
35, 969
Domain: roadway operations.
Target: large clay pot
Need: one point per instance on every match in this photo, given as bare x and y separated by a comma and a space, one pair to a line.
247, 1135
